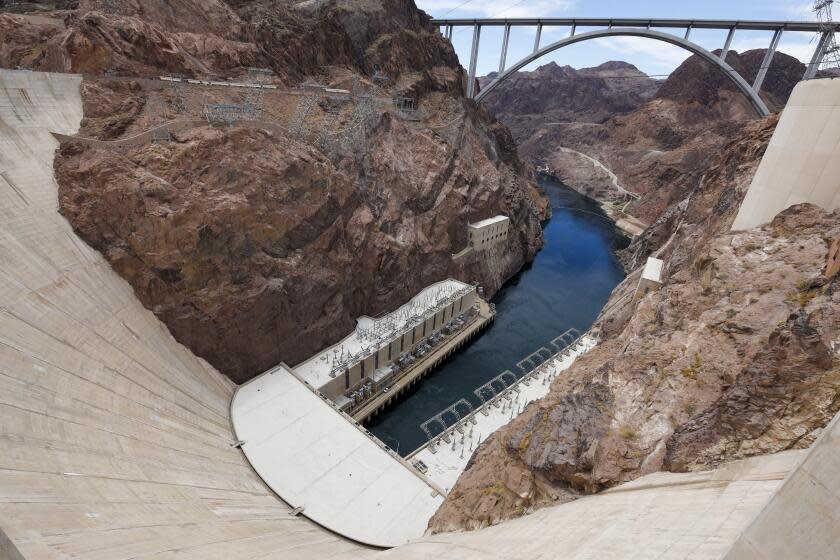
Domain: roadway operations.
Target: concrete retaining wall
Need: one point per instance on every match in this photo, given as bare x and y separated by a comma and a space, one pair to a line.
802, 519
802, 162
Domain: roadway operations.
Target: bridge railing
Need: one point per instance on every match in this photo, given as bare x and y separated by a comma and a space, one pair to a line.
643, 27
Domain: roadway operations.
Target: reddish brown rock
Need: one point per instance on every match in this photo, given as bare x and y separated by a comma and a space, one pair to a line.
736, 355
255, 245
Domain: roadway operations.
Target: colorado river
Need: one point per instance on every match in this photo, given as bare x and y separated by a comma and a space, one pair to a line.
566, 286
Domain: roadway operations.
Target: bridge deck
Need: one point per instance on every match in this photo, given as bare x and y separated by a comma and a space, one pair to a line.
755, 25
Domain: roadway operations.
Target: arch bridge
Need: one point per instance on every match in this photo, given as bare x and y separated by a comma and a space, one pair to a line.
644, 28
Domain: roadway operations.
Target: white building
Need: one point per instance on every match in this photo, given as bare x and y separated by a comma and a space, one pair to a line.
374, 352
489, 232
651, 278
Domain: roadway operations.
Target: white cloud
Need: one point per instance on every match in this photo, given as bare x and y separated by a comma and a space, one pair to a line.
496, 8
662, 55
800, 10
800, 48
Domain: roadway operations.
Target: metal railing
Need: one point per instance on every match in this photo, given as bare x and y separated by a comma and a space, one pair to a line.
500, 387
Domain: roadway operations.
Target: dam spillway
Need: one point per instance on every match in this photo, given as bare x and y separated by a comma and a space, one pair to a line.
116, 441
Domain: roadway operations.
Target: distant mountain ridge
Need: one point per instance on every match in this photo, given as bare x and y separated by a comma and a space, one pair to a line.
655, 136
565, 93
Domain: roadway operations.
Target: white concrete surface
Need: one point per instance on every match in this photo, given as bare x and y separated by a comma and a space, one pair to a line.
651, 278
802, 161
488, 232
448, 460
662, 516
313, 457
802, 520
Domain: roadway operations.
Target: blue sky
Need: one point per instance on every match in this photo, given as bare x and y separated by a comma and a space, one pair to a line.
652, 57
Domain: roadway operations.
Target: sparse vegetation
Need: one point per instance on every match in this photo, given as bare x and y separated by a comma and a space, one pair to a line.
692, 370
802, 297
627, 432
495, 489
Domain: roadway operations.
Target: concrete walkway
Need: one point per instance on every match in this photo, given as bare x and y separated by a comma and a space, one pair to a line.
447, 461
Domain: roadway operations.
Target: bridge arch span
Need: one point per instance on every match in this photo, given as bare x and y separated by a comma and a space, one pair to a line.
742, 85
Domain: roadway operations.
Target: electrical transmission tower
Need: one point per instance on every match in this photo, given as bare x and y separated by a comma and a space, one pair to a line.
828, 43
299, 125
331, 115
365, 107
157, 119
179, 99
254, 95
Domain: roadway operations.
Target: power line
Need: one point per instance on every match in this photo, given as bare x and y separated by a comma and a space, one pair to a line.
509, 8
497, 14
459, 6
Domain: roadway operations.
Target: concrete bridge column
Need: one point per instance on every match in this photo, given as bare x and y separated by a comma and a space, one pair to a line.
727, 44
816, 59
503, 57
768, 59
473, 60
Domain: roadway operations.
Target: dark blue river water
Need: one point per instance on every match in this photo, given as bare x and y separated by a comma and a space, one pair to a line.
566, 286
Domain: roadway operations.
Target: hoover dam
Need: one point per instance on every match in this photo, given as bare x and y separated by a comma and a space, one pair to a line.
279, 280
118, 442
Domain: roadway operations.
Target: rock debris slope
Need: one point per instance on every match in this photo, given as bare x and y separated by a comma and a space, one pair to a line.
258, 244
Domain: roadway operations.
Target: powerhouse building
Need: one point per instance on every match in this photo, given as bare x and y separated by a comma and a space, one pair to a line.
489, 232
372, 355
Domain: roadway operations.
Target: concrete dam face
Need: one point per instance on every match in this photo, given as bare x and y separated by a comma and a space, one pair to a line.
116, 442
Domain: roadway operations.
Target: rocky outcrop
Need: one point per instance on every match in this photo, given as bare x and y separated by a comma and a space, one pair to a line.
224, 37
554, 93
736, 355
255, 242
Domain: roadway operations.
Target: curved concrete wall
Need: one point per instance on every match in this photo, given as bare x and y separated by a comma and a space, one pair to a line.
115, 441
802, 162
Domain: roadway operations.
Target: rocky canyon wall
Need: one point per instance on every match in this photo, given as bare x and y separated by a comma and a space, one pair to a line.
736, 355
254, 243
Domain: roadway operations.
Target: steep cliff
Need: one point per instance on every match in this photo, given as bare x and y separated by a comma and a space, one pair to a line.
736, 355
260, 240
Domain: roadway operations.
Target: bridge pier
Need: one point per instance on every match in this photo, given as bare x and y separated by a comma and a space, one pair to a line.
816, 59
473, 60
537, 38
503, 57
727, 44
768, 59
